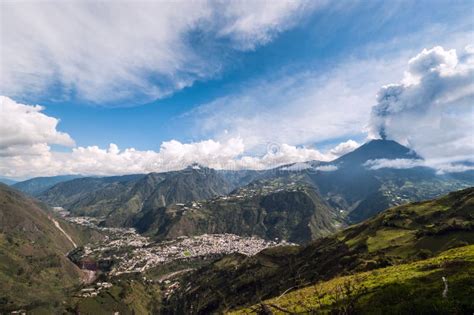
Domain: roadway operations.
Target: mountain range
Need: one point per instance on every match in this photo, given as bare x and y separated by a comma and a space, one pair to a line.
397, 236
38, 185
273, 209
334, 212
330, 194
118, 198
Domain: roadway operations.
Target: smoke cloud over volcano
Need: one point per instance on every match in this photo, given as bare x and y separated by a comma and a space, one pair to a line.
431, 109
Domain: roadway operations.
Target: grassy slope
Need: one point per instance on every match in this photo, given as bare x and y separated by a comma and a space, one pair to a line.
34, 272
403, 289
399, 235
127, 296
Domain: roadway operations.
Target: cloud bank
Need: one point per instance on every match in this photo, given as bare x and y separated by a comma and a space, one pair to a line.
432, 108
139, 51
441, 166
24, 129
27, 135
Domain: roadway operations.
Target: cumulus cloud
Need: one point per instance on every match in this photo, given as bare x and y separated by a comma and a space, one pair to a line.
299, 109
441, 166
26, 135
131, 51
279, 155
173, 155
344, 148
24, 129
431, 110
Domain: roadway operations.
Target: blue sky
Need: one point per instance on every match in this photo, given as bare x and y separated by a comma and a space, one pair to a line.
320, 41
226, 73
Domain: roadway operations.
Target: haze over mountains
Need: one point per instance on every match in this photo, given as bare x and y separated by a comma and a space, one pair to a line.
7, 181
38, 185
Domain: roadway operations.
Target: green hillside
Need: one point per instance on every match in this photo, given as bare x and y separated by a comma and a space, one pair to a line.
120, 197
413, 288
278, 208
34, 271
399, 235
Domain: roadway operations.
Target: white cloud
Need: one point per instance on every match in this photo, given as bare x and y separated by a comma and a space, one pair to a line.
299, 109
173, 155
394, 163
344, 148
440, 165
26, 135
431, 110
279, 155
24, 129
297, 167
301, 166
257, 22
127, 51
326, 168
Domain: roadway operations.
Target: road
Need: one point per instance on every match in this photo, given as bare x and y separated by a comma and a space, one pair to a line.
56, 223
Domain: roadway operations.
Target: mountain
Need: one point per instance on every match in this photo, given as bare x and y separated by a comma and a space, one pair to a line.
119, 197
346, 186
399, 235
239, 178
349, 184
36, 186
34, 271
7, 181
375, 149
267, 208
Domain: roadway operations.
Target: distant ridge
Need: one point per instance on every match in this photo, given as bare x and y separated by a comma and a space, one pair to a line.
119, 197
37, 185
7, 181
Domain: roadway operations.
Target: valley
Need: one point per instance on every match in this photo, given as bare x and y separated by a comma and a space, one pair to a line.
205, 241
260, 157
123, 250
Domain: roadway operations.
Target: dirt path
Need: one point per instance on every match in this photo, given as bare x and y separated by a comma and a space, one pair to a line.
56, 223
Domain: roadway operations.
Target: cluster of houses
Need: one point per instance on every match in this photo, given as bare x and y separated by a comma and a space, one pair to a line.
95, 290
131, 252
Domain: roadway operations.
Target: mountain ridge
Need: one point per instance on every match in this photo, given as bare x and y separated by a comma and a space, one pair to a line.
34, 270
398, 235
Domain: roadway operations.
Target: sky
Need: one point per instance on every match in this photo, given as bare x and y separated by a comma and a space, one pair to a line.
120, 87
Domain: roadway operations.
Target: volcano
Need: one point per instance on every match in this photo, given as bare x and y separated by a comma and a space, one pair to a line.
376, 149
